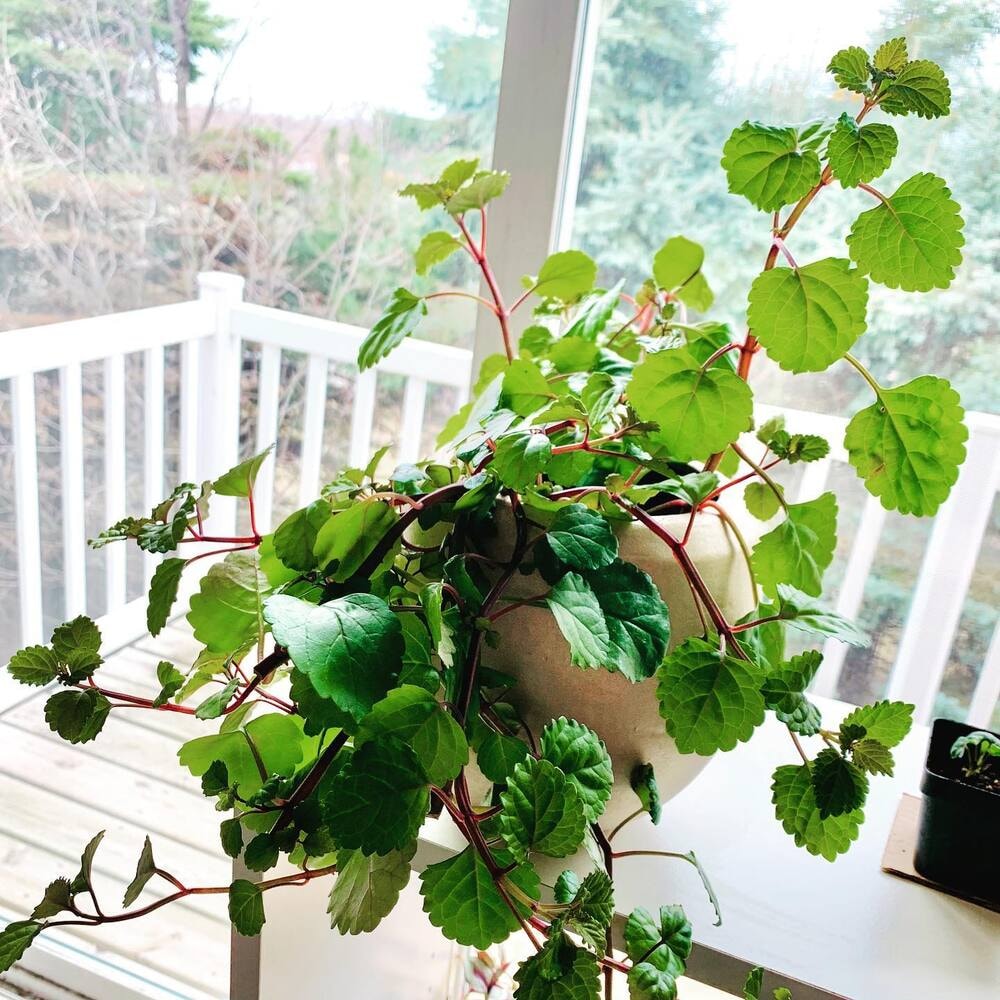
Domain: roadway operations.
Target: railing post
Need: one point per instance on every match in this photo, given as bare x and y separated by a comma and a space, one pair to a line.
219, 398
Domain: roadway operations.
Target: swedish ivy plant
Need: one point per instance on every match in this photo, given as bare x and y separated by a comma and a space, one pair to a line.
348, 653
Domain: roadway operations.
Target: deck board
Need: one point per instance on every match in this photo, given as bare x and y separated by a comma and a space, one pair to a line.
54, 797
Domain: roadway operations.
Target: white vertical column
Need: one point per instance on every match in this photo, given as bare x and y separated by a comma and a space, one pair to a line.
362, 414
540, 94
313, 418
219, 411
268, 392
152, 458
29, 549
190, 377
73, 527
114, 476
412, 419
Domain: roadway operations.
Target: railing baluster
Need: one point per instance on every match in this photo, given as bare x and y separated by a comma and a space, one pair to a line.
29, 550
73, 526
362, 416
114, 475
412, 419
152, 461
313, 418
268, 396
852, 592
190, 371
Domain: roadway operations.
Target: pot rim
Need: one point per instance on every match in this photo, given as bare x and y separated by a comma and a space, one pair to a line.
936, 784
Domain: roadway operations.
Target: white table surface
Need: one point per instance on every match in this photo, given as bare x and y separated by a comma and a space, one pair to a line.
847, 927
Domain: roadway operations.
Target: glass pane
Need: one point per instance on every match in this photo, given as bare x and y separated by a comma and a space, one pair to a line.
672, 78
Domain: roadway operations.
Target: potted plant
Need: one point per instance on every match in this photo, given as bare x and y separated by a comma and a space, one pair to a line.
960, 813
567, 598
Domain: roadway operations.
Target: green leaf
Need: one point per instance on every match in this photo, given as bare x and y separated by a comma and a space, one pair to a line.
761, 501
498, 754
754, 983
483, 188
872, 757
710, 701
579, 753
808, 317
261, 853
921, 87
891, 56
57, 898
566, 275
461, 898
377, 802
796, 809
295, 537
581, 538
350, 648
885, 721
581, 620
77, 644
908, 445
400, 319
663, 941
279, 741
77, 716
34, 665
807, 614
348, 538
858, 155
417, 718
162, 593
520, 457
677, 268
434, 248
839, 786
600, 396
592, 909
15, 939
525, 389
239, 480
851, 69
144, 871
85, 877
458, 172
226, 613
798, 551
231, 836
637, 620
246, 907
765, 164
698, 412
789, 679
647, 982
578, 975
171, 680
367, 888
912, 239
594, 314
215, 704
643, 782
542, 811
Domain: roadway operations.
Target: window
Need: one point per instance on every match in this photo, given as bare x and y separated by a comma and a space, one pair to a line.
670, 81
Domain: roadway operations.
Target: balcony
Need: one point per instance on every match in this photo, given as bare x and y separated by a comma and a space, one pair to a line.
106, 413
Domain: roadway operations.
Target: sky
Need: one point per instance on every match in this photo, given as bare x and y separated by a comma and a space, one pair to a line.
339, 57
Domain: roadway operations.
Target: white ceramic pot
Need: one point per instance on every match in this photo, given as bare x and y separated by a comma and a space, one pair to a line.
625, 715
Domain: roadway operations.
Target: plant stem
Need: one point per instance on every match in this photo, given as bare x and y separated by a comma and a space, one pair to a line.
463, 295
489, 277
310, 781
759, 470
864, 373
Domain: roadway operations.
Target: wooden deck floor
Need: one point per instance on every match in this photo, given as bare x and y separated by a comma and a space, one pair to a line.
54, 797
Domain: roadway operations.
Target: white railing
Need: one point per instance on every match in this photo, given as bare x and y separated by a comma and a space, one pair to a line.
212, 333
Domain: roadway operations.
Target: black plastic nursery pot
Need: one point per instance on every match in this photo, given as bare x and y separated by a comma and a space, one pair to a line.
959, 823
